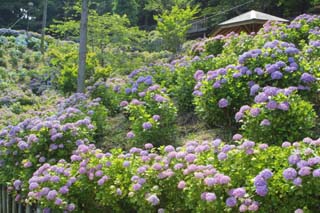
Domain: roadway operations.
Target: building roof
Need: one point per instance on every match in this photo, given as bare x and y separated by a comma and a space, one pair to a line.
251, 16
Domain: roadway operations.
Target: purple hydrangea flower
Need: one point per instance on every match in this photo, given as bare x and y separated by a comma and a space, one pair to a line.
316, 173
271, 105
307, 78
266, 174
305, 171
124, 103
52, 195
286, 144
222, 156
223, 103
130, 135
254, 112
289, 173
254, 89
153, 200
237, 137
294, 159
156, 117
262, 190
297, 181
181, 184
231, 201
284, 106
276, 75
261, 97
239, 192
198, 75
210, 196
146, 125
265, 122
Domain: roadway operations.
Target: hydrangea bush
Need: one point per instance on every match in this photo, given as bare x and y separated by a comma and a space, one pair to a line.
198, 177
152, 117
278, 115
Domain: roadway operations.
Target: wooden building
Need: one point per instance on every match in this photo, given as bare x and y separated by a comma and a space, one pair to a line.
248, 22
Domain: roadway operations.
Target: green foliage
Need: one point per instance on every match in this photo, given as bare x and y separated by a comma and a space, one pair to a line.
126, 7
110, 98
152, 119
112, 182
173, 26
273, 126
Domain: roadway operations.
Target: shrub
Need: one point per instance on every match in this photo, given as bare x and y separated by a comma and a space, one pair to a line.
152, 119
277, 116
275, 64
214, 46
35, 141
110, 96
3, 63
198, 177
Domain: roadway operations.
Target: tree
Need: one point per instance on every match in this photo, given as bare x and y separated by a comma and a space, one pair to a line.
126, 7
159, 6
83, 47
173, 26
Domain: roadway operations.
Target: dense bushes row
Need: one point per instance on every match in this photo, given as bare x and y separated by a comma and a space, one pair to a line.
198, 177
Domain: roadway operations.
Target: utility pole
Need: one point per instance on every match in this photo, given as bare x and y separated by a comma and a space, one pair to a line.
44, 23
83, 47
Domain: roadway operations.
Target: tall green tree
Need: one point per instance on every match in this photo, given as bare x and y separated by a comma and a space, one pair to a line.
126, 7
173, 26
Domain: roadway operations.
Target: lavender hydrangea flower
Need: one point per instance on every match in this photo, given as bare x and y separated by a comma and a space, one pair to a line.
237, 137
297, 181
254, 112
124, 103
316, 173
181, 184
198, 75
294, 159
231, 201
222, 156
156, 117
289, 173
265, 122
307, 78
266, 174
254, 89
239, 192
286, 144
276, 75
210, 196
52, 195
223, 103
146, 125
305, 171
130, 135
153, 200
262, 190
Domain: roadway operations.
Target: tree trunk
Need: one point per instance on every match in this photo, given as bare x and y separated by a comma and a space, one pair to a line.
83, 47
44, 23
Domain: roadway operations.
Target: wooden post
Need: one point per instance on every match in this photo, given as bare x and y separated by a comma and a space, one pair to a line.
19, 208
8, 201
14, 206
39, 210
28, 209
3, 199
